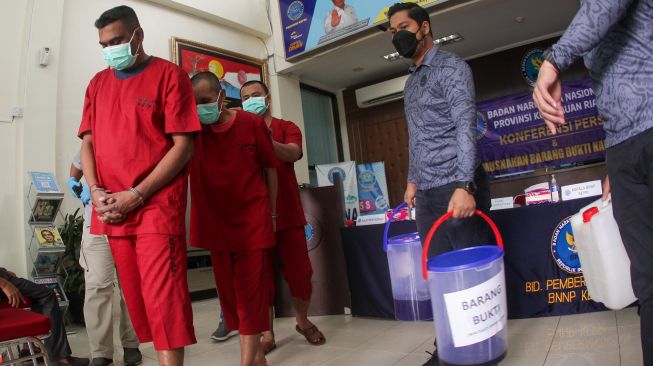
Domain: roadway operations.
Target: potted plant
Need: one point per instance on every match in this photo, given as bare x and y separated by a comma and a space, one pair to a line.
71, 233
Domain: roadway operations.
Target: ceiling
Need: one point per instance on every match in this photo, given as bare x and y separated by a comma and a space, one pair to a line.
487, 26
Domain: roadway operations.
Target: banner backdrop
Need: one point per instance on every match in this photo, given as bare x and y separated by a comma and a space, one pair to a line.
512, 137
347, 171
543, 273
308, 24
372, 188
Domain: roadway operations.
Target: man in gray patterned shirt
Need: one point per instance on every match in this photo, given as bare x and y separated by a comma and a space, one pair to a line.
444, 173
615, 37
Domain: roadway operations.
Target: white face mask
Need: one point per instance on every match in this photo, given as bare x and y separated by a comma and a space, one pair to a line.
255, 105
120, 56
209, 113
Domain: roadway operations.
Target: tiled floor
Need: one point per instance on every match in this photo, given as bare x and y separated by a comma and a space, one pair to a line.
599, 339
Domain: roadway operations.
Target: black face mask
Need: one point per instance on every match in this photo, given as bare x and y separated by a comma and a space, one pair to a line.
406, 43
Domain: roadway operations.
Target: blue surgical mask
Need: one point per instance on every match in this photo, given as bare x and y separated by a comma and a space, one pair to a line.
255, 105
209, 113
120, 56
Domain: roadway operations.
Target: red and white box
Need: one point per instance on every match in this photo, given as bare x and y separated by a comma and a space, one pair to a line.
537, 194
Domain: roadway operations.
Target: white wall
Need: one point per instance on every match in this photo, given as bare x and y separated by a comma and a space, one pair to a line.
292, 105
28, 143
247, 16
344, 133
45, 138
14, 16
52, 96
287, 104
84, 59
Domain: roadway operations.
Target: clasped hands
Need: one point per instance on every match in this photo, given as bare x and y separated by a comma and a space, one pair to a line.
113, 208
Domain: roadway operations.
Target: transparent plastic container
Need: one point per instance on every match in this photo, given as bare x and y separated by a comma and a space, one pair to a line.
603, 258
410, 292
468, 294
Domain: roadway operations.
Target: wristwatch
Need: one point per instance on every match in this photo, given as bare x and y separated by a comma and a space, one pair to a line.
470, 186
548, 56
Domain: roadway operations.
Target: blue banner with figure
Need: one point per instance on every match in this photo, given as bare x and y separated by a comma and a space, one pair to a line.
308, 24
512, 136
372, 188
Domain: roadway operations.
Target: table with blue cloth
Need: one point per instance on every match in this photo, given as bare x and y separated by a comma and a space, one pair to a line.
543, 276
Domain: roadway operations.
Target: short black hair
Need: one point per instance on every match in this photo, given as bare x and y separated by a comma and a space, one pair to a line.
123, 13
259, 82
47, 230
213, 80
415, 12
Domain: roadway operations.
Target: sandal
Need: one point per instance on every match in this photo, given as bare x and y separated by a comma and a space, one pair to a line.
268, 346
312, 335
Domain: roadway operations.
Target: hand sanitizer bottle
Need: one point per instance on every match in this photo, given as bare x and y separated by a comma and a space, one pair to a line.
555, 190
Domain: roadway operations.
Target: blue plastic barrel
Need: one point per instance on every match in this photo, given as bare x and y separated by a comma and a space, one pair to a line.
468, 294
410, 292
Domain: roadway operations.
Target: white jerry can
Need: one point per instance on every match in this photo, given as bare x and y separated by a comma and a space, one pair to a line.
602, 255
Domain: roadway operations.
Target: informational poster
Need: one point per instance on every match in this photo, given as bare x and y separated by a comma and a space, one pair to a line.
512, 137
347, 172
48, 238
45, 210
372, 188
44, 182
47, 263
309, 24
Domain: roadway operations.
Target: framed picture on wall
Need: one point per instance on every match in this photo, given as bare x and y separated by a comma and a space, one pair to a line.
231, 68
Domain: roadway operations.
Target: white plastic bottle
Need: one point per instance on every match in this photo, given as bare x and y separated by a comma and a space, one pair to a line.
603, 258
555, 190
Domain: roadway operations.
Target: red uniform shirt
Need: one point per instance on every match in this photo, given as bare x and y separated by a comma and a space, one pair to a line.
131, 120
230, 205
289, 206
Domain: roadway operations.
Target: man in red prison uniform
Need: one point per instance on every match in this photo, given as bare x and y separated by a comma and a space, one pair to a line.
290, 235
233, 192
138, 128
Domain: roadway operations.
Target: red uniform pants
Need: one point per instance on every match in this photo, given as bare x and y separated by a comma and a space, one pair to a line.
152, 273
244, 287
295, 264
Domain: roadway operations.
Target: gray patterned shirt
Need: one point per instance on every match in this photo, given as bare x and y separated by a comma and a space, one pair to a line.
440, 108
616, 39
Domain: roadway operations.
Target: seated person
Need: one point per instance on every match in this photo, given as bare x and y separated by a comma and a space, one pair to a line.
44, 301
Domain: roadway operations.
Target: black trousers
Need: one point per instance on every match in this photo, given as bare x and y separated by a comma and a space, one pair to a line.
454, 233
630, 168
44, 301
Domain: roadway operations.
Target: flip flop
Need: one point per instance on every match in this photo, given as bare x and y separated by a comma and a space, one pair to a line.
312, 335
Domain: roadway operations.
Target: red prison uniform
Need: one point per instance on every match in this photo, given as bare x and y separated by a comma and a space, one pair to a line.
290, 236
231, 216
131, 116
